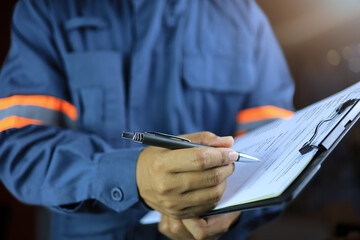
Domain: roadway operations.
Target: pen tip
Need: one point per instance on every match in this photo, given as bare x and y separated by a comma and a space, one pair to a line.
248, 158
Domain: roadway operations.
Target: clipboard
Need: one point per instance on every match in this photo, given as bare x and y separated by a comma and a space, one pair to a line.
326, 146
282, 176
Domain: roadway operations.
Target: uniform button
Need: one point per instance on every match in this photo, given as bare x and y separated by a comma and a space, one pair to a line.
116, 194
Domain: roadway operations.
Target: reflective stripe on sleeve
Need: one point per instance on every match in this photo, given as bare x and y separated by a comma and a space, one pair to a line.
17, 122
21, 110
262, 113
49, 102
252, 118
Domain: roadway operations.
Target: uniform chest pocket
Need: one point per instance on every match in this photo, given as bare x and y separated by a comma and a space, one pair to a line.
96, 86
87, 34
219, 74
215, 88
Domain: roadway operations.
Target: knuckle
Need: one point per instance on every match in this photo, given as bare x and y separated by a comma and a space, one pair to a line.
176, 227
215, 176
216, 194
163, 227
206, 134
160, 188
158, 166
163, 188
170, 205
206, 137
224, 157
201, 158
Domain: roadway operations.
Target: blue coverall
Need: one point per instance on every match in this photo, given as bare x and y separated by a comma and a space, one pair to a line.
80, 72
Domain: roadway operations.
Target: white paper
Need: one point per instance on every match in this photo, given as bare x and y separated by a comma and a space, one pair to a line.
277, 145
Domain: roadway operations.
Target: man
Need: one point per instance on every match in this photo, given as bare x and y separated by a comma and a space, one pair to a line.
80, 72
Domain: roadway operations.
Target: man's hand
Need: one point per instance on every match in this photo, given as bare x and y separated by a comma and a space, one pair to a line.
186, 182
210, 228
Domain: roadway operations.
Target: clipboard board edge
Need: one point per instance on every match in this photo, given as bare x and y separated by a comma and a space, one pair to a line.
296, 187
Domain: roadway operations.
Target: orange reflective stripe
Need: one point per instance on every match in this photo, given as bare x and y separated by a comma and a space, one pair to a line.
240, 133
262, 113
17, 122
49, 102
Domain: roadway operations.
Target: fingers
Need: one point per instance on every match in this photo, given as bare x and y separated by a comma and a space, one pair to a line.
194, 211
201, 201
185, 182
197, 159
173, 228
212, 227
210, 139
221, 223
205, 195
192, 203
197, 228
203, 179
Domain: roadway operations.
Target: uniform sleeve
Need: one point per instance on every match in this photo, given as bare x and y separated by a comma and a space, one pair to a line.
274, 82
272, 97
44, 159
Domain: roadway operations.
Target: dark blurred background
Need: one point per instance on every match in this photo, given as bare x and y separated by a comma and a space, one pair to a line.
321, 41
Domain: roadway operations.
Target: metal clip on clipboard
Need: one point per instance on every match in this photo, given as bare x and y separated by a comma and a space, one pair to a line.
339, 128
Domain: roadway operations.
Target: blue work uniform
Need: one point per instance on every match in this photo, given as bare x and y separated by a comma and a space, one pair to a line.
78, 73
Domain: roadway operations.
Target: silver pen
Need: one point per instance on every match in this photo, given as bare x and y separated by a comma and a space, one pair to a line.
174, 142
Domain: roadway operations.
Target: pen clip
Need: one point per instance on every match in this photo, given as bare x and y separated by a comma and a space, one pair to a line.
169, 136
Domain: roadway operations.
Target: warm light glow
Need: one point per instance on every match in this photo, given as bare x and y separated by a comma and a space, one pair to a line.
347, 53
333, 57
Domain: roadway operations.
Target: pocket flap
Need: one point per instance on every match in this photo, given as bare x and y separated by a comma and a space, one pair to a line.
219, 74
84, 22
89, 69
